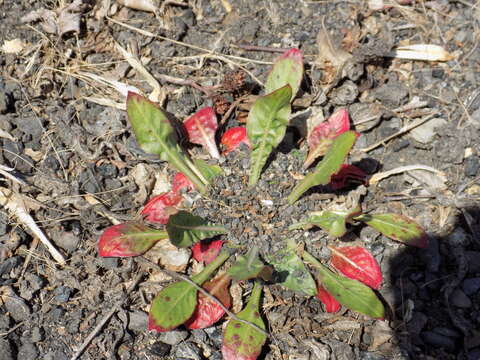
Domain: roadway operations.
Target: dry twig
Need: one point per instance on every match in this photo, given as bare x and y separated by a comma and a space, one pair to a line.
15, 205
402, 131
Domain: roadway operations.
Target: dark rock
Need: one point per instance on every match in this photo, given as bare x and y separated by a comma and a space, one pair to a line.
107, 170
7, 265
459, 299
391, 94
432, 255
438, 73
62, 294
438, 340
199, 336
30, 285
6, 103
447, 332
160, 349
17, 307
417, 323
51, 163
472, 164
57, 313
215, 335
6, 350
471, 286
112, 184
13, 152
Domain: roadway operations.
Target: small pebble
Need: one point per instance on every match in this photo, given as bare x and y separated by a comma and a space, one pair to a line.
173, 337
471, 286
62, 294
472, 165
438, 340
459, 299
160, 349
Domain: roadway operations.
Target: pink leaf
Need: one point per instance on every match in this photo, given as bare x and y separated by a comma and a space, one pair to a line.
128, 239
331, 304
232, 354
160, 207
321, 136
152, 326
206, 252
180, 182
347, 174
207, 311
355, 262
233, 137
201, 128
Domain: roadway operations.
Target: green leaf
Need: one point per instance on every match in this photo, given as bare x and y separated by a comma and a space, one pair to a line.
266, 125
248, 267
298, 278
156, 135
350, 293
176, 303
334, 222
240, 340
207, 170
397, 227
173, 306
185, 229
330, 165
288, 69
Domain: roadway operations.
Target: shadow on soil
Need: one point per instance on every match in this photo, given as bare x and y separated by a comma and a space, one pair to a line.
435, 294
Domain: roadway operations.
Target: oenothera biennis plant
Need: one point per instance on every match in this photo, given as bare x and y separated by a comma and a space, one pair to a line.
352, 277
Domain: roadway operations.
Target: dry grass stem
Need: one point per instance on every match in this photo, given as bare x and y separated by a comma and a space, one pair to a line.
14, 203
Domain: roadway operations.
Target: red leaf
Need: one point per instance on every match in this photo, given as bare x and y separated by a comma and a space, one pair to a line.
321, 136
207, 311
160, 207
347, 174
152, 326
180, 181
355, 262
206, 252
233, 137
128, 239
201, 128
331, 304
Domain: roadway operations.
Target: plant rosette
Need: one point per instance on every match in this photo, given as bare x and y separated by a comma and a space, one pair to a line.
240, 222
